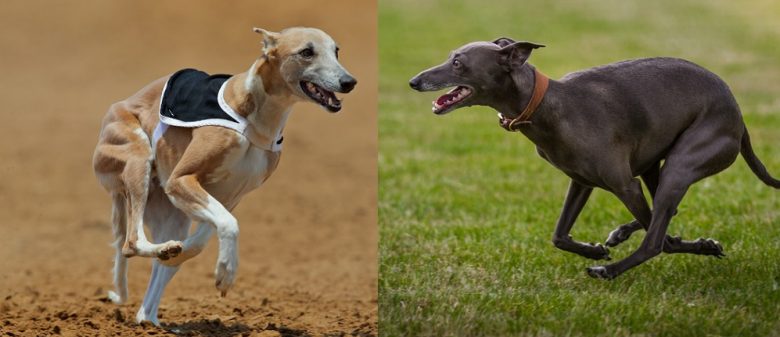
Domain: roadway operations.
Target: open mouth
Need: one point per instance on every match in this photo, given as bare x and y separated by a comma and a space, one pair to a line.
452, 98
323, 97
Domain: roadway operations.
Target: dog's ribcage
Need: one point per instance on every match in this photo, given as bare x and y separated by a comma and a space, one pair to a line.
243, 169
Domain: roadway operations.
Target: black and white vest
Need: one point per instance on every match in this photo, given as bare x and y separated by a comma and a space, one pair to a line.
192, 98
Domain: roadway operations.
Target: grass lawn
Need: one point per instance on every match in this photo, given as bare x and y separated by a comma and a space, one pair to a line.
467, 210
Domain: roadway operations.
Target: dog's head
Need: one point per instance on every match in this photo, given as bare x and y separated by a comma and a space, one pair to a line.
307, 63
475, 70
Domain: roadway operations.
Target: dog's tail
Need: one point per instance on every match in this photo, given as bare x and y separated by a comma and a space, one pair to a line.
755, 164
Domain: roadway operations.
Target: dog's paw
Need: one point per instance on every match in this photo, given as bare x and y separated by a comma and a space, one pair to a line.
618, 235
597, 251
115, 298
142, 317
710, 247
225, 275
169, 250
600, 272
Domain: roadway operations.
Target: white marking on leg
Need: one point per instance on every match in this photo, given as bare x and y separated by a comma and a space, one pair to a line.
120, 275
193, 245
143, 246
161, 275
227, 232
148, 249
119, 219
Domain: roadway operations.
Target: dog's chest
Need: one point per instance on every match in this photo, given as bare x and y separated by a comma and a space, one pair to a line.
245, 168
582, 169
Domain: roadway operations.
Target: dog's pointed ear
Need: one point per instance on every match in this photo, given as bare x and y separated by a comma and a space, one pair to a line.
516, 54
269, 39
503, 41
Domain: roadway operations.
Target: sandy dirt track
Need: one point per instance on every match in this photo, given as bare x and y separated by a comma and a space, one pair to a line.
308, 253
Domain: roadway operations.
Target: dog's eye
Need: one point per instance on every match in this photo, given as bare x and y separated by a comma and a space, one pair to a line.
337, 53
456, 63
306, 53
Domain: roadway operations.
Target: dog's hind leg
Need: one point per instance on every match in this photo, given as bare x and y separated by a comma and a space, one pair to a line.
122, 162
575, 199
701, 151
672, 245
193, 245
165, 222
136, 176
161, 275
700, 246
119, 221
163, 270
670, 194
623, 232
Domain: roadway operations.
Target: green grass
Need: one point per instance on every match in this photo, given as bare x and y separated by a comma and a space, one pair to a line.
467, 210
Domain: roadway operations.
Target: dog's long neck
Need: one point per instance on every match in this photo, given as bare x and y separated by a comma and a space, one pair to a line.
518, 93
261, 96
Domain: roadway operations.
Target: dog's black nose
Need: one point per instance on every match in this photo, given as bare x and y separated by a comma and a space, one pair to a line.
415, 83
347, 83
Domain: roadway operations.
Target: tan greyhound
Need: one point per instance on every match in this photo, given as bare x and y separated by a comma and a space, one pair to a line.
167, 176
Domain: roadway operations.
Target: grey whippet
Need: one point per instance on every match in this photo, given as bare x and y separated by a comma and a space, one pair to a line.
605, 126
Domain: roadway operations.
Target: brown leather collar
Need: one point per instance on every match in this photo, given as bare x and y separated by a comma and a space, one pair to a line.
540, 88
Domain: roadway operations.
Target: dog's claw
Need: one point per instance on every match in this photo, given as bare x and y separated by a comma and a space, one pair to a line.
225, 275
602, 252
223, 293
599, 272
711, 247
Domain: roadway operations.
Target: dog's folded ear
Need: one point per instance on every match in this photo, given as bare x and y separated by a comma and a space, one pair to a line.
269, 39
516, 54
503, 41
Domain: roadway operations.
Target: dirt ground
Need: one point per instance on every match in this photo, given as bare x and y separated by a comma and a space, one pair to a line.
308, 253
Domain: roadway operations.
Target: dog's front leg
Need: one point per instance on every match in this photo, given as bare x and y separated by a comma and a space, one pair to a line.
575, 199
187, 194
193, 245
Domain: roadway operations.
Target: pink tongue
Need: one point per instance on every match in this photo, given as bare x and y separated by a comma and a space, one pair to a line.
446, 97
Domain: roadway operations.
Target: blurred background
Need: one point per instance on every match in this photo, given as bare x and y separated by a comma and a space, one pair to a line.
308, 237
467, 210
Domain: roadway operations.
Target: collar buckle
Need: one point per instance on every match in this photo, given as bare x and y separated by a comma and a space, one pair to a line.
541, 83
